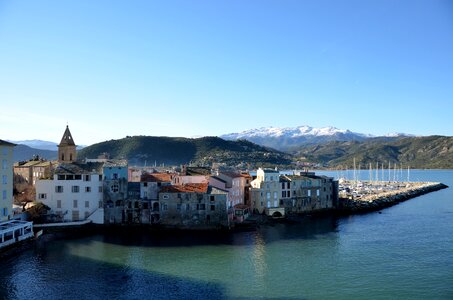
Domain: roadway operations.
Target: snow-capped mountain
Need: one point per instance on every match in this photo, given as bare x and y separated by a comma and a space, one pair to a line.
291, 137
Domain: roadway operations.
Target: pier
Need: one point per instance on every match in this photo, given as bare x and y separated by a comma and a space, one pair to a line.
369, 196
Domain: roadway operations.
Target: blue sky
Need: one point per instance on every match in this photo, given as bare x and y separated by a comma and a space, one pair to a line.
194, 68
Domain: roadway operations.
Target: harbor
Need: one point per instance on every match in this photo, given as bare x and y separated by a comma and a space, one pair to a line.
364, 196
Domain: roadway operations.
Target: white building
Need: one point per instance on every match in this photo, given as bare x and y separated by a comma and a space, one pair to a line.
6, 177
75, 193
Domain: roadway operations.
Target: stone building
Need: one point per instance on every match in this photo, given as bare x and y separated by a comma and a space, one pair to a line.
193, 206
67, 152
265, 193
306, 192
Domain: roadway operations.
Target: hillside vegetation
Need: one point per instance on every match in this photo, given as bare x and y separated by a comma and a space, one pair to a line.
432, 152
140, 150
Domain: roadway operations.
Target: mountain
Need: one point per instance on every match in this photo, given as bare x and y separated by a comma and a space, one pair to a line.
23, 153
287, 139
430, 152
41, 145
140, 150
38, 144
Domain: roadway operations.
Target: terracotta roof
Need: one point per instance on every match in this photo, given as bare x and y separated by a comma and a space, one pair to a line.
186, 188
157, 177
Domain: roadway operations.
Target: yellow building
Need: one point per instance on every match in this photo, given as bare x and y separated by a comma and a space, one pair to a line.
6, 177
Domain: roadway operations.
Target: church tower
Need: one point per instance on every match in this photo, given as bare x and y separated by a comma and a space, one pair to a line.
67, 148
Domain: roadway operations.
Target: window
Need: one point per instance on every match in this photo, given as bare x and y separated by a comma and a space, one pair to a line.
78, 177
283, 185
212, 207
178, 206
115, 188
59, 189
75, 189
75, 203
288, 185
275, 203
5, 179
145, 184
309, 193
317, 193
275, 195
100, 177
268, 204
5, 211
88, 189
165, 197
58, 203
61, 177
100, 189
201, 207
75, 215
4, 164
86, 178
187, 206
212, 198
87, 204
164, 207
42, 196
115, 176
268, 195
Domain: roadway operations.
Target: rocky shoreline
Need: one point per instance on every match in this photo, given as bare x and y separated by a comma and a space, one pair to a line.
387, 199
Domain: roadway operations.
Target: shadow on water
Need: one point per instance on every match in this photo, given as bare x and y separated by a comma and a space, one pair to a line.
299, 228
30, 277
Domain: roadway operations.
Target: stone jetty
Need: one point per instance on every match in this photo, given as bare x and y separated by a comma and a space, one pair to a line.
388, 198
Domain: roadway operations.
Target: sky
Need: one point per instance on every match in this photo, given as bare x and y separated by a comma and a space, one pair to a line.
111, 69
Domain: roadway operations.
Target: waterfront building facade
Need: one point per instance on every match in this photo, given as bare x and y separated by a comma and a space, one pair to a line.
265, 193
195, 206
6, 177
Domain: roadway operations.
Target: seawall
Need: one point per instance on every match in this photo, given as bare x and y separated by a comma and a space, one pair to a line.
386, 199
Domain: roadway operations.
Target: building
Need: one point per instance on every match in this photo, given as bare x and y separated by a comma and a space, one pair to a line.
265, 193
237, 186
74, 192
115, 188
278, 195
307, 192
193, 206
6, 177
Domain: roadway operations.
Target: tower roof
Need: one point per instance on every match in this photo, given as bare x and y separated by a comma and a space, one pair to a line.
67, 139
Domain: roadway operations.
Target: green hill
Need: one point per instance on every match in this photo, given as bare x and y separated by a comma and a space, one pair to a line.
431, 152
139, 150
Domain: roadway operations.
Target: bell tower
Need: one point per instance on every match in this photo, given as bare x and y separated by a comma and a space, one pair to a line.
67, 148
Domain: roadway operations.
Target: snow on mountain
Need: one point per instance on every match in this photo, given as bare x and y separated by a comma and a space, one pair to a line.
292, 137
292, 132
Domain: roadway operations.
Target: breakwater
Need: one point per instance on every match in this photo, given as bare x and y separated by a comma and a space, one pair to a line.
388, 198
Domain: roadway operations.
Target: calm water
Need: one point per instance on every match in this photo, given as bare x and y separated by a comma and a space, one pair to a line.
406, 252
